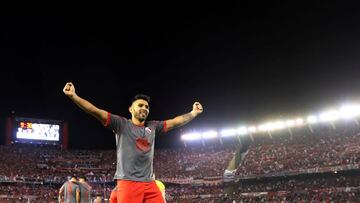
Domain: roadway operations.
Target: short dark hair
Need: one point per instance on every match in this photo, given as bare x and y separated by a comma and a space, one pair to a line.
140, 96
83, 177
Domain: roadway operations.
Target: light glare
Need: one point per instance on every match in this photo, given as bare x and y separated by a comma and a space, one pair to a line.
191, 136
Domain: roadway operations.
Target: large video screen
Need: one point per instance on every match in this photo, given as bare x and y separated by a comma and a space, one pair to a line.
30, 129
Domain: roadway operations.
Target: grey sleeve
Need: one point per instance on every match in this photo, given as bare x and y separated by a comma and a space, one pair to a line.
115, 123
160, 126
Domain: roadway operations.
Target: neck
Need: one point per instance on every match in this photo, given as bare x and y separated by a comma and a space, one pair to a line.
137, 122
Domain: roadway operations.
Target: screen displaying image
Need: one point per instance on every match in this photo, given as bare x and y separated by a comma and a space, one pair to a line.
38, 131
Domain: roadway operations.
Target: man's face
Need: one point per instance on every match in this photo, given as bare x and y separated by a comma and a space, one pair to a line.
140, 109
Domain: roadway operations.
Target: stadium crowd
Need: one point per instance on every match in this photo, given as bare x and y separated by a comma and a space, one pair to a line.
195, 174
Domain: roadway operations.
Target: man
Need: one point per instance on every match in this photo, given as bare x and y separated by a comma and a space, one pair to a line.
134, 144
85, 190
69, 191
98, 199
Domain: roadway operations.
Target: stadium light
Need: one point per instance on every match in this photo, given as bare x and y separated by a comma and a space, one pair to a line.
262, 127
191, 136
266, 127
228, 132
344, 112
349, 111
209, 134
331, 115
299, 121
290, 123
312, 119
242, 130
271, 126
278, 125
252, 129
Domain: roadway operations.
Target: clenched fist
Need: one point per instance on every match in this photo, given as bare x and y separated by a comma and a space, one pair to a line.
197, 109
69, 89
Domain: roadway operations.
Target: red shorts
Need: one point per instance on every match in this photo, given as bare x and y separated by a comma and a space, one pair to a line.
136, 192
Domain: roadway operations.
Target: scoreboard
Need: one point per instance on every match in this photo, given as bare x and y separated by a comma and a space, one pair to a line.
31, 129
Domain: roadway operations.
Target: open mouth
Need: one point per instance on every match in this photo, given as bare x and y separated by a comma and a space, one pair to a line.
143, 112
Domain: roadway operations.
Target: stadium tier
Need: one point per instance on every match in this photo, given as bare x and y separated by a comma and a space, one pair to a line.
320, 164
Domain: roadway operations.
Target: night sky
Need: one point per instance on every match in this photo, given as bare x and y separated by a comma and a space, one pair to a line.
245, 64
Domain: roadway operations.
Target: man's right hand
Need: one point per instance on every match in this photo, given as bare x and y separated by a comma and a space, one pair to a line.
69, 89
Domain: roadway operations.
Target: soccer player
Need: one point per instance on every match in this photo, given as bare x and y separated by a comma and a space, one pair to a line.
98, 199
70, 191
85, 190
135, 140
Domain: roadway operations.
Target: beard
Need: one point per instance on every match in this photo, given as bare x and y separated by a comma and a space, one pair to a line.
141, 115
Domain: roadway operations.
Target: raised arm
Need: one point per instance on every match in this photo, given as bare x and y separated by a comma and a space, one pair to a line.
69, 90
184, 119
